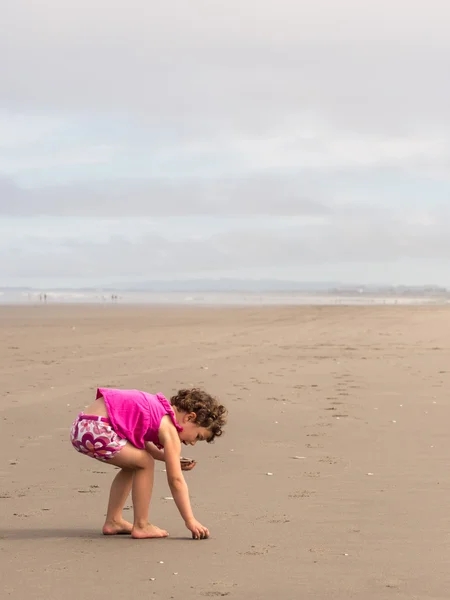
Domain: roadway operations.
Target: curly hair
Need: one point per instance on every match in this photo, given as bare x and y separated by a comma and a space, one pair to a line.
210, 413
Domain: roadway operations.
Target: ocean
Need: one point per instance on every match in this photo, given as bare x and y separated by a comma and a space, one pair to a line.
108, 298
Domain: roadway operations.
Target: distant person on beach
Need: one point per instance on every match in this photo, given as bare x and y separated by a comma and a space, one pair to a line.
130, 429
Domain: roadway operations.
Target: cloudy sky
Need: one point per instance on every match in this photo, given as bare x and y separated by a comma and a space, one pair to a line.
196, 138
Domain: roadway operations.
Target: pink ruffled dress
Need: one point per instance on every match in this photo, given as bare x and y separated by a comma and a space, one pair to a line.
135, 415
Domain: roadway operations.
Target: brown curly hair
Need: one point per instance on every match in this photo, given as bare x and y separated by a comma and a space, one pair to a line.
210, 413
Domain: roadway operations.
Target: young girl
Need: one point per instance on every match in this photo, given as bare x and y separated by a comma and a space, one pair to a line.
130, 429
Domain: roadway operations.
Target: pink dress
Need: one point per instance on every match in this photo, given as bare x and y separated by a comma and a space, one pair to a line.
135, 415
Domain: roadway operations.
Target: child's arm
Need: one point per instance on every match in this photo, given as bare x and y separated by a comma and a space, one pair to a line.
158, 454
154, 451
172, 450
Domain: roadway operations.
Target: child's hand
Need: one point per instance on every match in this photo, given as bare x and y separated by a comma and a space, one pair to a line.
198, 531
187, 464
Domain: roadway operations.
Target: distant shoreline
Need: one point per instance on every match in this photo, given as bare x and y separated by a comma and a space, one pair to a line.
231, 298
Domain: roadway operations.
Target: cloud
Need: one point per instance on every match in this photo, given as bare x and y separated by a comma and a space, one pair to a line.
266, 247
287, 174
200, 87
238, 196
237, 64
237, 137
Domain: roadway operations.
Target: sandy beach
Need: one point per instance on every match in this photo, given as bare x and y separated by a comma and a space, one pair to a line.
346, 407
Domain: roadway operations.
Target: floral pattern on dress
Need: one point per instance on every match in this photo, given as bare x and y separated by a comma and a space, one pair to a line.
95, 438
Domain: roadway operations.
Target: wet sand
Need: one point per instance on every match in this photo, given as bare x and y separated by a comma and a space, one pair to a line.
347, 408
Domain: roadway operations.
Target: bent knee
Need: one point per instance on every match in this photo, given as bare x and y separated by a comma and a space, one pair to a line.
131, 459
146, 461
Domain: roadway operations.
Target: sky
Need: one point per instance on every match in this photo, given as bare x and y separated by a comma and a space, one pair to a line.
281, 139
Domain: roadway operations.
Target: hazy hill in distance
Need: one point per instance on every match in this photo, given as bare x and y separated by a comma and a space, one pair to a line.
224, 285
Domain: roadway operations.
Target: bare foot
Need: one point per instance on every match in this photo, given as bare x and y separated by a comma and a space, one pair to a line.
148, 531
117, 527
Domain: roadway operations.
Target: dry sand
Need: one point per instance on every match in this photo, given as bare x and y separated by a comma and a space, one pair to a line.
360, 395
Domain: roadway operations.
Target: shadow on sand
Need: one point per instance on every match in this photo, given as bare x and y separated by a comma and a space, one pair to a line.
61, 534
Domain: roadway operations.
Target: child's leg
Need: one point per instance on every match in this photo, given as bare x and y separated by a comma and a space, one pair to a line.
120, 490
143, 466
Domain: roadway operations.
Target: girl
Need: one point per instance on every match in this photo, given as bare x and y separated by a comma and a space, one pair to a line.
130, 429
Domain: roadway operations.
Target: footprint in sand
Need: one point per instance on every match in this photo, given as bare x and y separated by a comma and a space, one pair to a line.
302, 494
255, 551
329, 460
279, 521
312, 474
